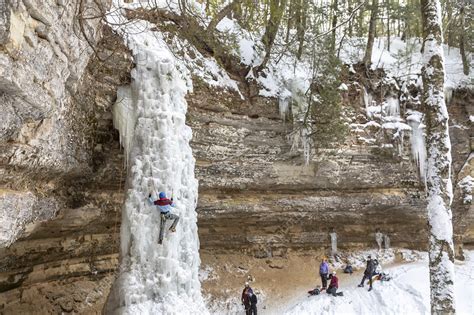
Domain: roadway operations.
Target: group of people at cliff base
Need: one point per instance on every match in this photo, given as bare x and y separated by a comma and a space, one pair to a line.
325, 276
249, 300
372, 272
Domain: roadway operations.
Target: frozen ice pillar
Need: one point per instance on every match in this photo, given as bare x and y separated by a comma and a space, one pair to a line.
150, 116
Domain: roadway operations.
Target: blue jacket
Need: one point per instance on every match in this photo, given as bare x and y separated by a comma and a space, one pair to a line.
324, 267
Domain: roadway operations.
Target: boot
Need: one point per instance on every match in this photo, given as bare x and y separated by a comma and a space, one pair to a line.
361, 285
370, 289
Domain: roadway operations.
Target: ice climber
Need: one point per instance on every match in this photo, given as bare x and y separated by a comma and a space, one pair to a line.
368, 273
334, 285
246, 302
165, 205
323, 272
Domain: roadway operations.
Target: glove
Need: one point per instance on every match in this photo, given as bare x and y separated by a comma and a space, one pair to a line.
149, 195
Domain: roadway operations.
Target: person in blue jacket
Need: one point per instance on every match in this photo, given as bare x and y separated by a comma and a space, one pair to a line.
323, 272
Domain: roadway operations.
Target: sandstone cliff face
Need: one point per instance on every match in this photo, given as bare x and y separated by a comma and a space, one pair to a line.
257, 195
43, 133
60, 197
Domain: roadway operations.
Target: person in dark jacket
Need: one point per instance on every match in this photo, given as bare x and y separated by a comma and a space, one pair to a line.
245, 299
323, 273
253, 303
368, 273
333, 285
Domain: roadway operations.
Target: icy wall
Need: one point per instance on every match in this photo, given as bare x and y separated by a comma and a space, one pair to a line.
150, 116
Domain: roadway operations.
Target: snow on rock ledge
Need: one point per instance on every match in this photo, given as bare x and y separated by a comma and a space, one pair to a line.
156, 279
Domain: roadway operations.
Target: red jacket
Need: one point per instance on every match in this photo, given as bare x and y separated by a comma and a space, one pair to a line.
334, 282
163, 202
245, 297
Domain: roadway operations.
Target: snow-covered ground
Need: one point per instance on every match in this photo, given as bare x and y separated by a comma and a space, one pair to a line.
407, 293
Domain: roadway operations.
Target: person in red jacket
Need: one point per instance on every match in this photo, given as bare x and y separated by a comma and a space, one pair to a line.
333, 285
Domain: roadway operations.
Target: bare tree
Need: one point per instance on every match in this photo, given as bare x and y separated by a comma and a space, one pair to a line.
371, 36
334, 24
277, 7
462, 38
438, 181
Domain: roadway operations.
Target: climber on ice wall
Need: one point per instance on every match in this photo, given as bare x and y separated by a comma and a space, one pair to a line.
165, 205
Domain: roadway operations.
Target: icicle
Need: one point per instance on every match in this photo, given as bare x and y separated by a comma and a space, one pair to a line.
417, 140
448, 95
306, 141
333, 235
284, 106
367, 102
124, 118
392, 107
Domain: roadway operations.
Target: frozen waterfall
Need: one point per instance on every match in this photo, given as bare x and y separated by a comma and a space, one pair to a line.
150, 116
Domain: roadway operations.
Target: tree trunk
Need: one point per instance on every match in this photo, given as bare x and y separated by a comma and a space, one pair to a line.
277, 7
349, 7
291, 13
370, 40
462, 40
301, 26
388, 24
334, 24
360, 23
438, 181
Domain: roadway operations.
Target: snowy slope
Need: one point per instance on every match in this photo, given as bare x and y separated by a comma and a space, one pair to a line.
150, 116
407, 293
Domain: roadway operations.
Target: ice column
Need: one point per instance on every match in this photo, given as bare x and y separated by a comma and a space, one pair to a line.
417, 139
156, 279
333, 236
386, 241
379, 239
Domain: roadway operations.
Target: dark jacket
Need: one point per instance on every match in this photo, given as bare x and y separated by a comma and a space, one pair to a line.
370, 269
253, 299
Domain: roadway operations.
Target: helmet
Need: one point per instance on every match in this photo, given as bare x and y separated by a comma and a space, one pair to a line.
162, 195
334, 273
247, 284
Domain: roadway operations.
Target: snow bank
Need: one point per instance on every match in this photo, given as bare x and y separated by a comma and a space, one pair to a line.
407, 293
150, 116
